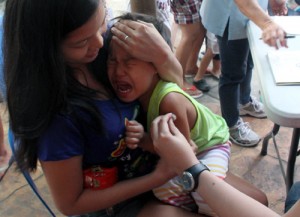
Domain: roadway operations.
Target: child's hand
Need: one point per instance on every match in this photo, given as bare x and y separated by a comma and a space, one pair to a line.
134, 133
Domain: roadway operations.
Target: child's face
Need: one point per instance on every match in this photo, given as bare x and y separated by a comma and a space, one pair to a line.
131, 78
82, 45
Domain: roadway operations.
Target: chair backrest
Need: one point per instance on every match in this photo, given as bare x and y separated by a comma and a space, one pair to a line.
13, 144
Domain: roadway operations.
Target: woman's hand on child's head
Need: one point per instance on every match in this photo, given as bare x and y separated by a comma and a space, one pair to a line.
144, 42
141, 40
134, 133
171, 144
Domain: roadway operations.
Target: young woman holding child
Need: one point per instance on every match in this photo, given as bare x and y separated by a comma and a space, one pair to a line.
62, 115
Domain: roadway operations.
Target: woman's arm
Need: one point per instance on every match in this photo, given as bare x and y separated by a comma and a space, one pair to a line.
225, 200
271, 32
144, 42
65, 181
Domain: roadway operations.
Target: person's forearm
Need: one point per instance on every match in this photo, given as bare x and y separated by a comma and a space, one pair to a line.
171, 70
91, 200
227, 201
254, 12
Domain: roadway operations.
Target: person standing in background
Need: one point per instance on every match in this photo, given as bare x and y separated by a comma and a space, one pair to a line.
211, 54
228, 20
186, 15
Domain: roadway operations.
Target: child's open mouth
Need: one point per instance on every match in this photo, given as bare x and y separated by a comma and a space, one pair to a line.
123, 87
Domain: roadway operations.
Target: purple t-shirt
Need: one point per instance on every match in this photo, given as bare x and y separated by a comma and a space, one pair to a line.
66, 137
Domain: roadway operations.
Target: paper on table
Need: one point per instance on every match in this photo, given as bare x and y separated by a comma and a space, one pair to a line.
285, 66
291, 24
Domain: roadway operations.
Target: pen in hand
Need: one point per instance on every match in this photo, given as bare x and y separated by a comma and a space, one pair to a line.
286, 36
289, 36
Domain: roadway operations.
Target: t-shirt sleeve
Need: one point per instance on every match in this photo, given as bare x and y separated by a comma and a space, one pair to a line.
62, 140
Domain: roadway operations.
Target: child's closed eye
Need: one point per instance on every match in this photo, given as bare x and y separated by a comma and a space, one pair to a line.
131, 62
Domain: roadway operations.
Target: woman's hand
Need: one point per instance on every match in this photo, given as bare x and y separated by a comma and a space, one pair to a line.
273, 35
171, 145
144, 42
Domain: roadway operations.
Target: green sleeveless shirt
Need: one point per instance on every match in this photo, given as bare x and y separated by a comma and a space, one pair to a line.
210, 129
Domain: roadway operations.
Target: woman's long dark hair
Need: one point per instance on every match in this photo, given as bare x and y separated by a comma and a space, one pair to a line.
39, 83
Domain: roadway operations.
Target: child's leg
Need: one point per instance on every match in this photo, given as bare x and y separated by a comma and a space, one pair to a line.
216, 63
216, 70
191, 37
191, 66
247, 188
208, 56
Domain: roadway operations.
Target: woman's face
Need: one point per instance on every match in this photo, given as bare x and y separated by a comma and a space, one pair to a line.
82, 45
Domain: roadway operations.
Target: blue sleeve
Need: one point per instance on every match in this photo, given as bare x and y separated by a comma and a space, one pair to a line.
62, 140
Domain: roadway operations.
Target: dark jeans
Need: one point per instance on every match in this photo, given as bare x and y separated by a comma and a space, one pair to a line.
293, 196
235, 80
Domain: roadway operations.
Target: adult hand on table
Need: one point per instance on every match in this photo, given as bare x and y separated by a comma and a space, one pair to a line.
273, 35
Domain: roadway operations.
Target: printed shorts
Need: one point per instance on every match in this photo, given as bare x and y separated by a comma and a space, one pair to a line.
186, 11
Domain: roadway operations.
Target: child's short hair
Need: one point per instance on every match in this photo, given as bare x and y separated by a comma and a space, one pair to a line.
158, 24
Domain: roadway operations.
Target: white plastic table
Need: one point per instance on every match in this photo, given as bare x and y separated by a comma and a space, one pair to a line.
282, 103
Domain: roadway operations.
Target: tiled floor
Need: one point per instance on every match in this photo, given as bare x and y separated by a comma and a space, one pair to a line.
17, 199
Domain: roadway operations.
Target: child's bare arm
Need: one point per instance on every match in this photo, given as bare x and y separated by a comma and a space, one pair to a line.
184, 111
